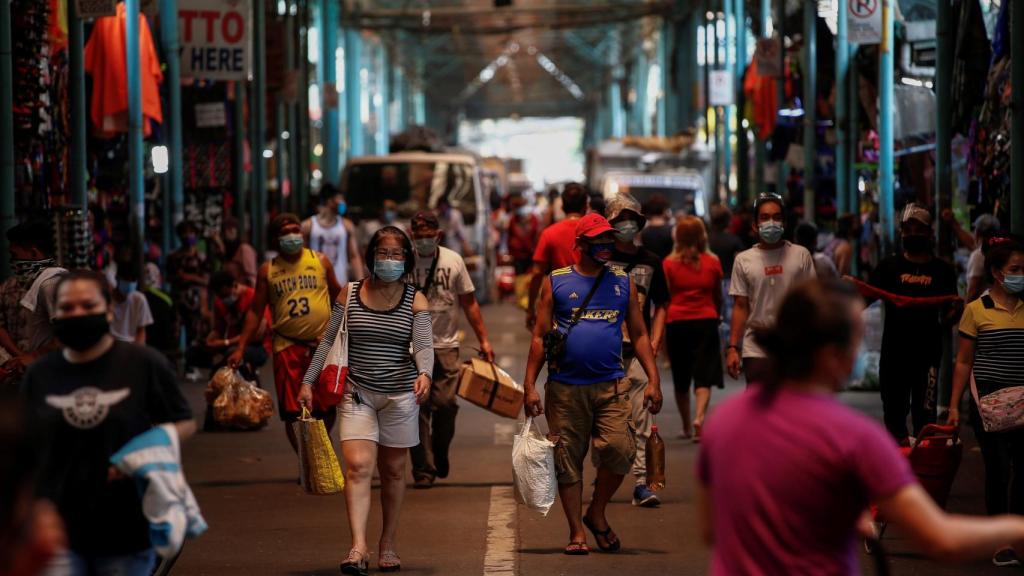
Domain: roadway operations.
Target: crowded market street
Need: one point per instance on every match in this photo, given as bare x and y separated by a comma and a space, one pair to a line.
261, 522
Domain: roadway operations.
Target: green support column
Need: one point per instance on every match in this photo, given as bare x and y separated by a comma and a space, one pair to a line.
175, 192
136, 170
7, 218
760, 149
292, 55
419, 101
886, 168
258, 119
810, 106
303, 130
79, 119
1017, 126
728, 113
398, 97
327, 70
638, 122
241, 188
383, 122
280, 157
662, 127
686, 71
782, 174
353, 92
742, 134
709, 50
943, 105
840, 116
853, 134
618, 120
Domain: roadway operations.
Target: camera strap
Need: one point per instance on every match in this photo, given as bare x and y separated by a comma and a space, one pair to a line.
586, 301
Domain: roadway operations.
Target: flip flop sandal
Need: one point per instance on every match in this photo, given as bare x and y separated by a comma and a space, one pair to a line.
576, 549
389, 561
613, 547
355, 564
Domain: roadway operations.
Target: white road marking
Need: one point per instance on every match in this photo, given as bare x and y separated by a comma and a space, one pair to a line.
500, 557
503, 433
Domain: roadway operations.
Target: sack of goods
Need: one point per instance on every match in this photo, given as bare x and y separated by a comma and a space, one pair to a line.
238, 404
319, 471
533, 468
485, 384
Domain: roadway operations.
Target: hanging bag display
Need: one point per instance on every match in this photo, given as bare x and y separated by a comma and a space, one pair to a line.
319, 471
331, 385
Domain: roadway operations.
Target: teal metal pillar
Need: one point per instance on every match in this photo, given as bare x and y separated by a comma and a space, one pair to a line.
686, 71
258, 119
136, 170
292, 53
782, 174
727, 111
710, 46
79, 119
280, 157
1017, 122
841, 114
175, 192
886, 172
810, 107
662, 126
398, 96
241, 188
742, 133
943, 105
353, 92
618, 120
637, 120
331, 131
383, 98
760, 149
853, 134
7, 217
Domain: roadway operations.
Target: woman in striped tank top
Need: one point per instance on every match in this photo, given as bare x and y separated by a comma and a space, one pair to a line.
379, 414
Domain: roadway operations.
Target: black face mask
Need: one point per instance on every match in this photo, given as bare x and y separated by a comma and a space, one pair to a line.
81, 332
917, 243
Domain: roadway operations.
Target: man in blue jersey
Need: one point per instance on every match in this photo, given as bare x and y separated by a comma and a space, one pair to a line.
586, 396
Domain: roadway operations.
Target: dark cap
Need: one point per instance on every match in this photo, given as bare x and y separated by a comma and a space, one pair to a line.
425, 218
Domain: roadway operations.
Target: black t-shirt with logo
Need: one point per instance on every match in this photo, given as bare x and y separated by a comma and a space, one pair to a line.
910, 328
85, 413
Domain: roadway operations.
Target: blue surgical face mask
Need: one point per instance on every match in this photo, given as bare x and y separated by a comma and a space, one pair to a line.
601, 252
1013, 284
770, 232
290, 243
342, 209
523, 211
230, 300
125, 287
390, 216
626, 230
388, 270
426, 247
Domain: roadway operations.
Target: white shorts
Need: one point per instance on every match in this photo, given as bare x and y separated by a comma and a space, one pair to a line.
390, 420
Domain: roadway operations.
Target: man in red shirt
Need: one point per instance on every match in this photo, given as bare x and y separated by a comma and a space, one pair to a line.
557, 246
232, 300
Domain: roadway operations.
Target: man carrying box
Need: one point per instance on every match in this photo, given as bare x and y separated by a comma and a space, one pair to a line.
442, 276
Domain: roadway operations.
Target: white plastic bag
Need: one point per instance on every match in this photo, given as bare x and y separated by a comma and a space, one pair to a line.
533, 468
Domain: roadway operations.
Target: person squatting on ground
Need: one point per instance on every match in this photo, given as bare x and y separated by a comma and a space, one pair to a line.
794, 500
644, 268
232, 301
992, 348
442, 277
87, 401
694, 278
585, 397
299, 285
912, 335
761, 277
384, 390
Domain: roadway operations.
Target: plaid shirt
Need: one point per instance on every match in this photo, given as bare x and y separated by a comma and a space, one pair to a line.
14, 318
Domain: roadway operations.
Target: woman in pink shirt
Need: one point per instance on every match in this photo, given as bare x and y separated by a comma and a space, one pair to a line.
694, 278
786, 471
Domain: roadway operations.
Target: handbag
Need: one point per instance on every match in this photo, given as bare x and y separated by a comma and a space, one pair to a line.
555, 340
330, 387
1002, 410
319, 471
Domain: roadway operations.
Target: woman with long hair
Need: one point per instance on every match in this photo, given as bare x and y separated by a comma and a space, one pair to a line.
694, 278
379, 412
787, 472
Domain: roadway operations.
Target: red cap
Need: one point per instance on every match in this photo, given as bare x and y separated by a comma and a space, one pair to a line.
592, 225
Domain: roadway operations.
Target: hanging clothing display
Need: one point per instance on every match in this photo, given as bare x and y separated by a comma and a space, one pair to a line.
972, 56
762, 101
105, 60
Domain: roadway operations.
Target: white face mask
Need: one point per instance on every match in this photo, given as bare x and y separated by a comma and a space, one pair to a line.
626, 230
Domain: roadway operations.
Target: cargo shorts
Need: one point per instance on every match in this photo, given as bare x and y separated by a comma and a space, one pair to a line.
580, 415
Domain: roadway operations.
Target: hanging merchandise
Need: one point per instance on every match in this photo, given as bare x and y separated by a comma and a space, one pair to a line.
972, 56
105, 61
74, 238
762, 101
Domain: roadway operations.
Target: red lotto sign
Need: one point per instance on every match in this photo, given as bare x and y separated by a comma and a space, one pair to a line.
215, 40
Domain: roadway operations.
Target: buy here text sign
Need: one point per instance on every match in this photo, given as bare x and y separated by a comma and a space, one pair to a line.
215, 39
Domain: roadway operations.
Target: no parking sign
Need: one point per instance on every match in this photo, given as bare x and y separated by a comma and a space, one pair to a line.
865, 21
215, 39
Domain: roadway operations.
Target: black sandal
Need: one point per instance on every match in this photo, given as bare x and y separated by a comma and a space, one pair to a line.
576, 549
356, 564
613, 547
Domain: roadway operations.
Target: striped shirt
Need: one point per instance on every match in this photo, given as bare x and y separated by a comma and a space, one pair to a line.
379, 343
999, 343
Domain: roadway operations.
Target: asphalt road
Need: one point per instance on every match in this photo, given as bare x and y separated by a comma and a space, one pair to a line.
262, 523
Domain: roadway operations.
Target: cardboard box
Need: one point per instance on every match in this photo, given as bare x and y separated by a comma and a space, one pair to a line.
491, 388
